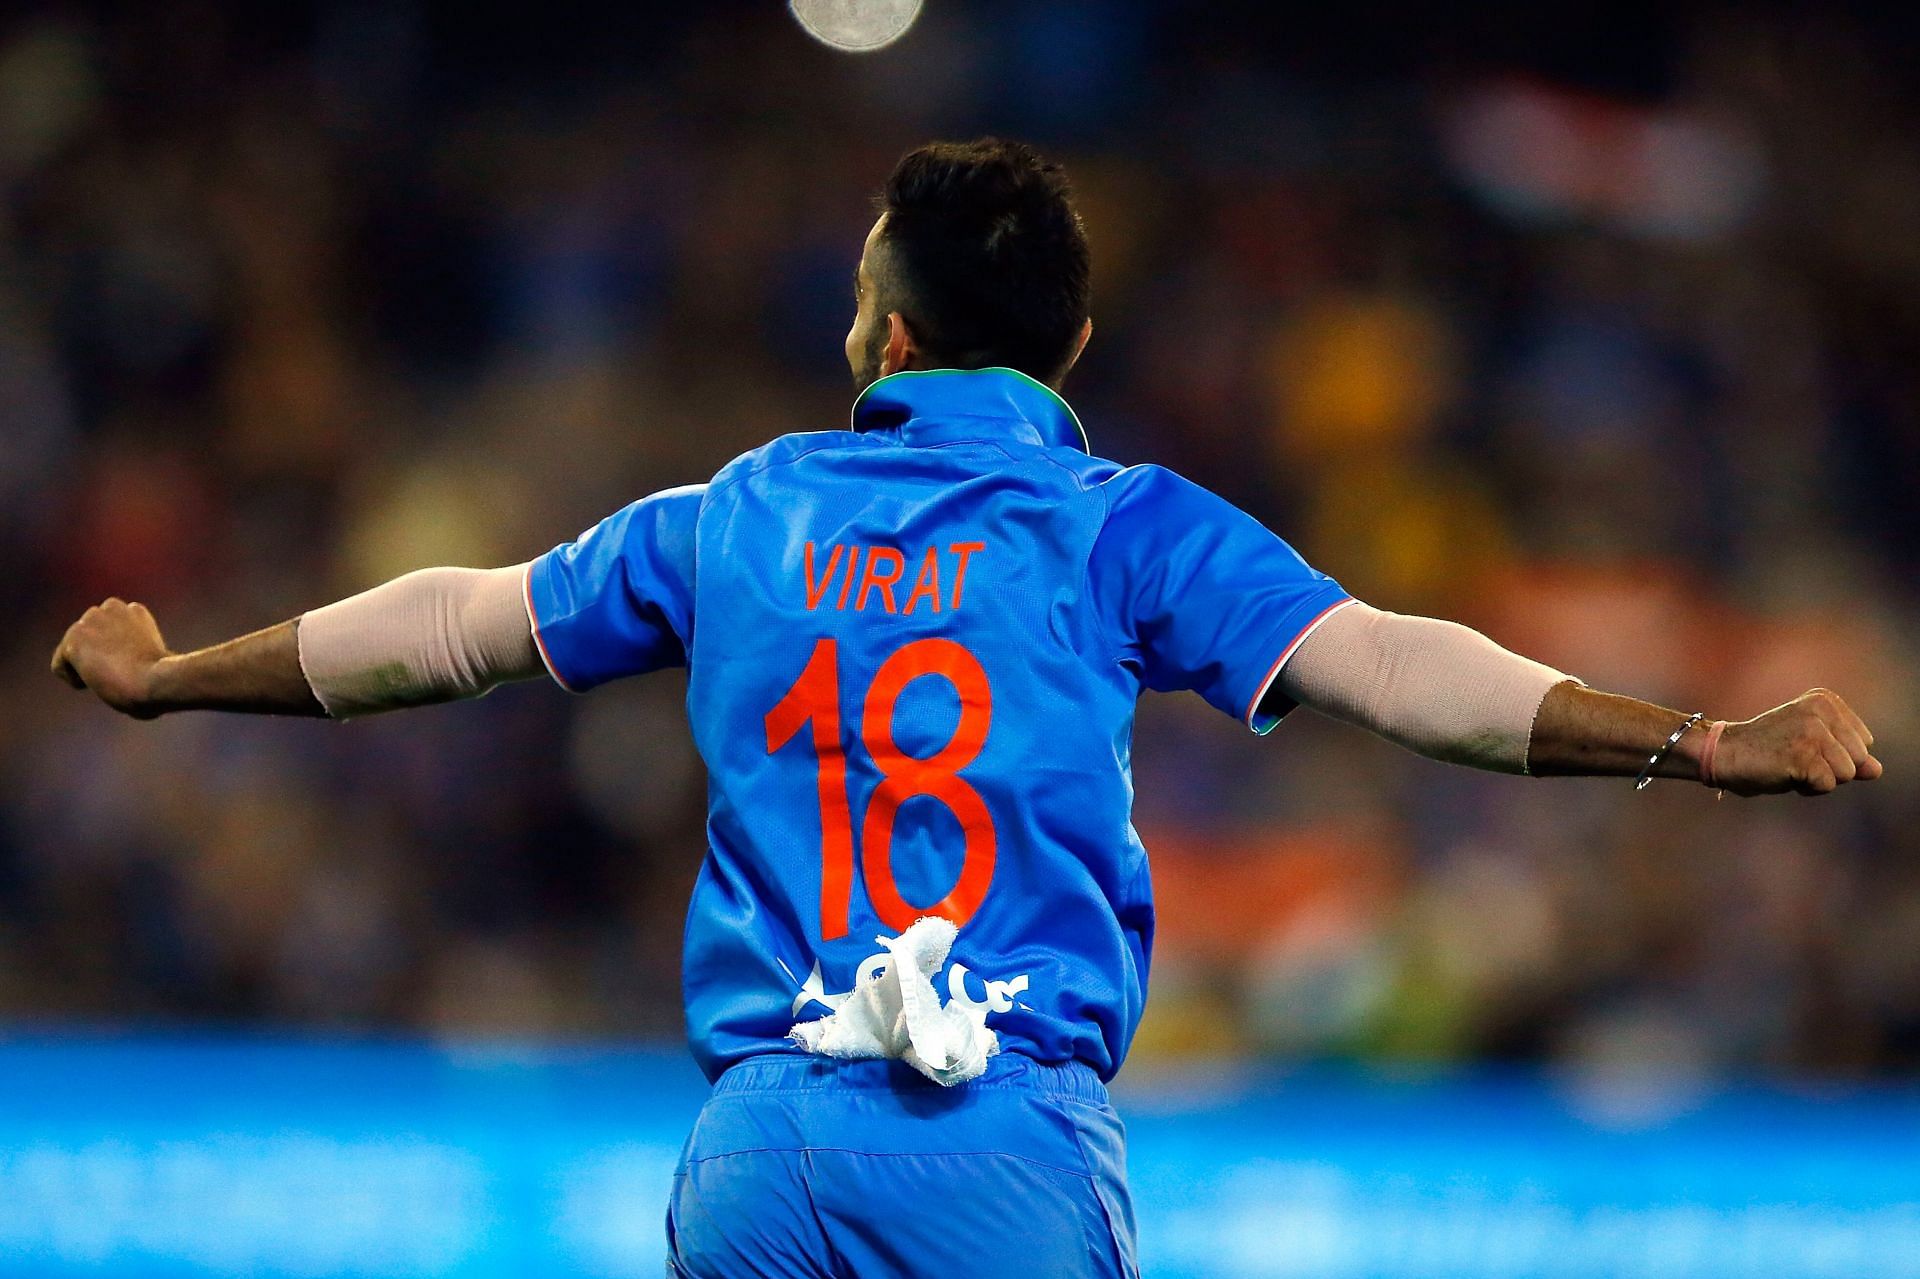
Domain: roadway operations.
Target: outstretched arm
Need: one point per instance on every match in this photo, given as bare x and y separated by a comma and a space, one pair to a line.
431, 636
1447, 692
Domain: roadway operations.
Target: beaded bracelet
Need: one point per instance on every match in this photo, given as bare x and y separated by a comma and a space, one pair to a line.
1653, 760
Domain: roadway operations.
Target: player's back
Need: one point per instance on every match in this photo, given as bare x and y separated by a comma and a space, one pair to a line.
908, 706
916, 653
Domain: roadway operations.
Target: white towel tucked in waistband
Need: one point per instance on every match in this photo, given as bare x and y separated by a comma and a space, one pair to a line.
896, 1013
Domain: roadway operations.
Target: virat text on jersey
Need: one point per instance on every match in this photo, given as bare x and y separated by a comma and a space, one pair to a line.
883, 570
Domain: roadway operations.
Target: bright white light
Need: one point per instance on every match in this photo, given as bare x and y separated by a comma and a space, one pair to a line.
856, 26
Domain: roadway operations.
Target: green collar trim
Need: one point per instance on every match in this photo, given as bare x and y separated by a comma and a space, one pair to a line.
1025, 395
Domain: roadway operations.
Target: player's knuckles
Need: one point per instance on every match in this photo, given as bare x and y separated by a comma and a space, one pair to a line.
1818, 706
1859, 726
1810, 769
1818, 781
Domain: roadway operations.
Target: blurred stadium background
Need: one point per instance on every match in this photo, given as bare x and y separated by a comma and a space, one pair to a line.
1601, 333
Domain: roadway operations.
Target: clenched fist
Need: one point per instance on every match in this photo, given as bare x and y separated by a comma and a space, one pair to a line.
113, 650
1814, 745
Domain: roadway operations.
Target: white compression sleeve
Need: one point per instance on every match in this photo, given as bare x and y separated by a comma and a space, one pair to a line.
431, 636
1438, 688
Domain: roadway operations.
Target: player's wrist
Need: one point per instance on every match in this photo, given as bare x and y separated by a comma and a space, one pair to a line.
1696, 755
1708, 748
1683, 760
161, 688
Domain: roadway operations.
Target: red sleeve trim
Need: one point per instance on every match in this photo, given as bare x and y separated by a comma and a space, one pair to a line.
1273, 672
533, 622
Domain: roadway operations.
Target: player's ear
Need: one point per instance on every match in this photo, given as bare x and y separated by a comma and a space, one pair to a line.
1079, 345
902, 351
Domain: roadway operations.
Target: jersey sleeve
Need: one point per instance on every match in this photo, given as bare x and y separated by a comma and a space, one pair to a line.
618, 600
1201, 595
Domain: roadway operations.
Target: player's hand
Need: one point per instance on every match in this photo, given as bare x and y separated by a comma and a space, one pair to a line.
113, 650
1814, 745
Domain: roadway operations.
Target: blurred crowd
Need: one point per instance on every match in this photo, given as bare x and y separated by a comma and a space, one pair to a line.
1615, 357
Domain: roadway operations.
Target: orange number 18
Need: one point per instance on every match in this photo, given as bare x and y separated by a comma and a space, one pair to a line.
815, 698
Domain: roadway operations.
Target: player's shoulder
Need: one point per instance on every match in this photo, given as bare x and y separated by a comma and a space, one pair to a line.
659, 514
1089, 470
782, 450
1149, 491
1150, 509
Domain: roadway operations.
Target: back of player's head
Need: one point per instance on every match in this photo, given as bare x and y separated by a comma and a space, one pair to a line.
985, 256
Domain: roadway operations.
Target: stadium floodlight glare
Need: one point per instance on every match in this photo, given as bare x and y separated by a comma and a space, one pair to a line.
855, 26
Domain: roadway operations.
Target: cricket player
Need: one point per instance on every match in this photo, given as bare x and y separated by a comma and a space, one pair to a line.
919, 943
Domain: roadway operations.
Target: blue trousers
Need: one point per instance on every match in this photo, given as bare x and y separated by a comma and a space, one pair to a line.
805, 1166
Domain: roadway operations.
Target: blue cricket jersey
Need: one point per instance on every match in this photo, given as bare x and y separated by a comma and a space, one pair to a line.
914, 650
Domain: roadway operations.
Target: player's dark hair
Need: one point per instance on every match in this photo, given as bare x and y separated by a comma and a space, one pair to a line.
987, 260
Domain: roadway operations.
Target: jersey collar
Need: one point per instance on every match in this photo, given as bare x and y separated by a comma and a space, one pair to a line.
925, 404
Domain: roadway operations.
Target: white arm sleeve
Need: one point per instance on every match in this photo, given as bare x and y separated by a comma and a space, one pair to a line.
433, 636
1437, 688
